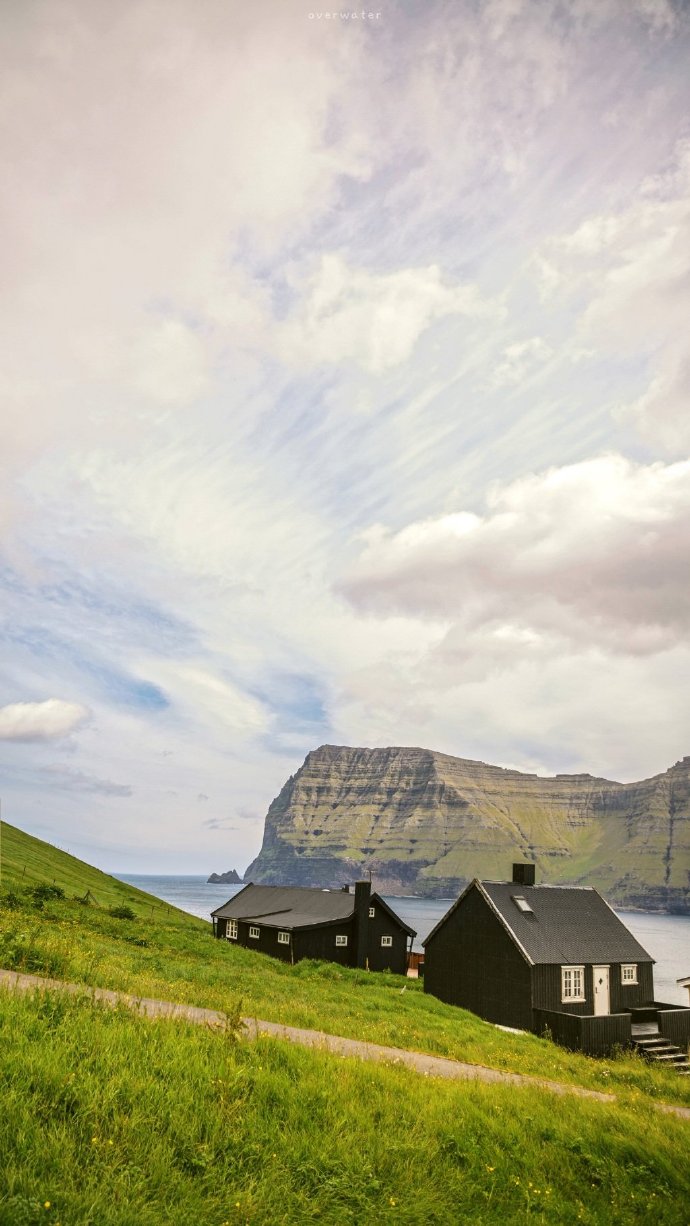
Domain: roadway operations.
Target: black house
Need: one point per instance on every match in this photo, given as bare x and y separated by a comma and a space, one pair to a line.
293, 922
540, 957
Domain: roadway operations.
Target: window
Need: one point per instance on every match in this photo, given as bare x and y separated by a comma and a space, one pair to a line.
522, 904
283, 938
372, 912
629, 973
254, 932
572, 983
341, 940
386, 942
231, 930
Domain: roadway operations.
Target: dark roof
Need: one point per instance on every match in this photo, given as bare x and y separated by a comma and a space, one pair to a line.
567, 925
290, 906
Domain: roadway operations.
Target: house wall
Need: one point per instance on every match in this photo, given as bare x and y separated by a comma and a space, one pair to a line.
267, 942
389, 959
546, 989
472, 962
320, 943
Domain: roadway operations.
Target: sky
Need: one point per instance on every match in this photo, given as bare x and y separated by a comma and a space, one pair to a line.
344, 400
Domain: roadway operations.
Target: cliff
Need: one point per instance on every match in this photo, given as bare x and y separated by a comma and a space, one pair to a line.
229, 878
426, 823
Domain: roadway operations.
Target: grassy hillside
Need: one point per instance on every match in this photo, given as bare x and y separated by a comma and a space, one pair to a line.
26, 861
112, 1119
109, 1120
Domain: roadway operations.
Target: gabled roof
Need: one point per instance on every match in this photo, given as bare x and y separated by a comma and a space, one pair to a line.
567, 925
278, 906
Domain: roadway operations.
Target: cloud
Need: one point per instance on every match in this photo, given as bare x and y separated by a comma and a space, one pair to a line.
266, 287
76, 781
373, 319
662, 413
519, 361
591, 553
40, 721
170, 363
629, 273
207, 698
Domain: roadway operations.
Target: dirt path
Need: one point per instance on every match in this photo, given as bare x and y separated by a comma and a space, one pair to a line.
253, 1028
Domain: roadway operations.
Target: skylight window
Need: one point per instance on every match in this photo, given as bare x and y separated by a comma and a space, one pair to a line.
522, 904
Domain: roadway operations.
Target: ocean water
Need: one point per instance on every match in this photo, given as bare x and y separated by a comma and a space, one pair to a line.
665, 937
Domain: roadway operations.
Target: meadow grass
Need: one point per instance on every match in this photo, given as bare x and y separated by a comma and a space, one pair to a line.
176, 958
111, 1119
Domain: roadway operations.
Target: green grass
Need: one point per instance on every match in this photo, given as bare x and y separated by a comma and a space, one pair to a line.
167, 954
176, 960
110, 1119
25, 861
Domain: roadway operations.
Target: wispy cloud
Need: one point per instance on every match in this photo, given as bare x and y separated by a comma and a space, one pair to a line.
344, 400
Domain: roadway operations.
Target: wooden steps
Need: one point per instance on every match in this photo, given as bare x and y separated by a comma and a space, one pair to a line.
653, 1046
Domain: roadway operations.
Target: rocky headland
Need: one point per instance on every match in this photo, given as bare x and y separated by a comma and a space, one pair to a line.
229, 878
426, 823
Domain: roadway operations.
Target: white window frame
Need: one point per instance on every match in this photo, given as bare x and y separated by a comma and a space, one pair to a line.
386, 942
572, 984
372, 912
254, 932
231, 930
629, 980
283, 938
340, 940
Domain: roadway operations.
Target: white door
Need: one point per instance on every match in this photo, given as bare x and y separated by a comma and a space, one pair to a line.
602, 1000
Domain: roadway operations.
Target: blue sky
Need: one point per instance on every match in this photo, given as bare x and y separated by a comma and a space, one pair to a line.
346, 401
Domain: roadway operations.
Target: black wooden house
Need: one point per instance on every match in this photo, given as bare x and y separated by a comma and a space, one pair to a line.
540, 957
292, 922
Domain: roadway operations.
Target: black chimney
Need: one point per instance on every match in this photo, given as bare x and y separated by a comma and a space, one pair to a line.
523, 874
362, 897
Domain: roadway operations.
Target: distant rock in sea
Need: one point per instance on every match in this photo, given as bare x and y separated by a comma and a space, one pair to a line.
229, 878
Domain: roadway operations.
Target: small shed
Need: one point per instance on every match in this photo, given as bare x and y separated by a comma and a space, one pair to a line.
541, 957
354, 928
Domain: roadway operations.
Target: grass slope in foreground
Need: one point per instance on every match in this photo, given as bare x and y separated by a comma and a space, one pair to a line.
110, 1119
173, 956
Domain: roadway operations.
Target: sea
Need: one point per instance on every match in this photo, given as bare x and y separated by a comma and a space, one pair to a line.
665, 937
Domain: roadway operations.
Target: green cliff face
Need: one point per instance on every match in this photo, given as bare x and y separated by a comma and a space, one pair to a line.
426, 823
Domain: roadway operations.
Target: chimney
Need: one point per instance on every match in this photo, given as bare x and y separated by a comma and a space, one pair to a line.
362, 896
523, 874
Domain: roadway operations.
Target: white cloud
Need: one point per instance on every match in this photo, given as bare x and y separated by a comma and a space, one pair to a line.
224, 207
170, 363
374, 319
205, 697
519, 361
630, 272
592, 553
662, 413
40, 721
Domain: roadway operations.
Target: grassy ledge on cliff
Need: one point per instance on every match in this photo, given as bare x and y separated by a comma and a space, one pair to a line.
427, 823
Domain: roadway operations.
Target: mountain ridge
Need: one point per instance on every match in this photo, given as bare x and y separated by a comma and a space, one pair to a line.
425, 822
